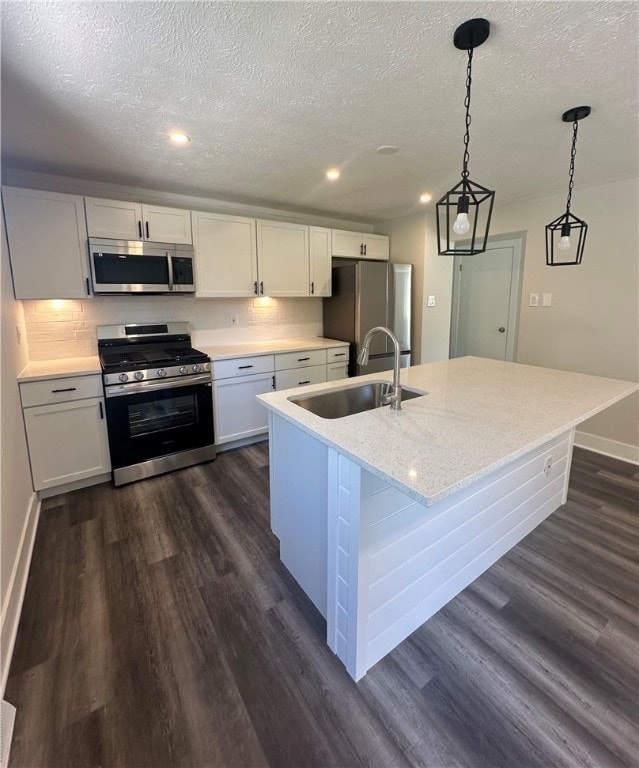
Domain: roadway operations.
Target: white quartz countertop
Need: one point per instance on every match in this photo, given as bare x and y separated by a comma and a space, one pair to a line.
63, 369
478, 415
253, 348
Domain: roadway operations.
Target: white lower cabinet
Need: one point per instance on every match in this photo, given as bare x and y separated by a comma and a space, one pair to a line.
237, 381
67, 440
236, 411
336, 371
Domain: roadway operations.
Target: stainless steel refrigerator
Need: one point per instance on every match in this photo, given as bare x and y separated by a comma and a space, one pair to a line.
366, 294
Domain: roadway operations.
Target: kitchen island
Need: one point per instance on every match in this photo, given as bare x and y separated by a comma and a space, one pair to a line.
384, 516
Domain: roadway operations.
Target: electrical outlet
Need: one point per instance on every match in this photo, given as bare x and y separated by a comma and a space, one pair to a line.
430, 301
533, 300
234, 320
547, 465
546, 299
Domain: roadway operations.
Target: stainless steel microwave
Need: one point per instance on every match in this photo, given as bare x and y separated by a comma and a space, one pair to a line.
132, 266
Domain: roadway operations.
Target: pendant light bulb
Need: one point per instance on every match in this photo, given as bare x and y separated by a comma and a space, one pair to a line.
564, 243
461, 225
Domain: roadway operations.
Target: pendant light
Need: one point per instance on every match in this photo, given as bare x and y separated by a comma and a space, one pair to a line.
464, 212
566, 235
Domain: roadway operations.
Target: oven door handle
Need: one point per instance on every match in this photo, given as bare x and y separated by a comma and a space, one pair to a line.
120, 390
169, 259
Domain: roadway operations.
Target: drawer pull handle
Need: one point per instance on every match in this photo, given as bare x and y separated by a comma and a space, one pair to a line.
302, 359
308, 381
140, 229
146, 223
68, 389
240, 367
339, 354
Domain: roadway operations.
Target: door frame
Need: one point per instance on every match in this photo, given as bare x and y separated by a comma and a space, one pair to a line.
516, 240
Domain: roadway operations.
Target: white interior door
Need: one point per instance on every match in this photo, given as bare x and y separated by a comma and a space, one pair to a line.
486, 291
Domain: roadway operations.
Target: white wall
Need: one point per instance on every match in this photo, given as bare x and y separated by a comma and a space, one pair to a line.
16, 494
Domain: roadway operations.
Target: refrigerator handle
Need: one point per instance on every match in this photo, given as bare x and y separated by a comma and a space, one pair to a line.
390, 304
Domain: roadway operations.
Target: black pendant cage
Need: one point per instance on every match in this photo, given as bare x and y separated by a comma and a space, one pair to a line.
477, 202
467, 197
566, 225
566, 235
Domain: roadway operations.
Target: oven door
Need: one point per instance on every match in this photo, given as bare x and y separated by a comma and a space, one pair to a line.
146, 421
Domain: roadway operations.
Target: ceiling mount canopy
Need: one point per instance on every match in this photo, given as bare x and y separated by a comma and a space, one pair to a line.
561, 250
464, 212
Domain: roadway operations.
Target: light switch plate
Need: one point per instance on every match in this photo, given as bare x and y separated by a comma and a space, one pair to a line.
430, 301
533, 301
546, 299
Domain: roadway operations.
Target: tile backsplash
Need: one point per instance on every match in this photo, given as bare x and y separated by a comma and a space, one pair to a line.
66, 328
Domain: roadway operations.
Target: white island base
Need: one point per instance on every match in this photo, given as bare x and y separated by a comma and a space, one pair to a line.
380, 564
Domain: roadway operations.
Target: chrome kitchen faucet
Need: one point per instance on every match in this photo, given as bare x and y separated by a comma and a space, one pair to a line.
395, 398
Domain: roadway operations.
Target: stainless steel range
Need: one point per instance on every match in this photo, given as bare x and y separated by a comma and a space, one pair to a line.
158, 399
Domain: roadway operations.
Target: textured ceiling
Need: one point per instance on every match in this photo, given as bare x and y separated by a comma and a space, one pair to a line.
273, 93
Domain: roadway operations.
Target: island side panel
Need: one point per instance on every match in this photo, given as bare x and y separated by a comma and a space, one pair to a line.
299, 491
413, 559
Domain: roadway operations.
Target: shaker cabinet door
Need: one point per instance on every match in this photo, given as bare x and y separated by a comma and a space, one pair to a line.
47, 237
283, 258
116, 219
225, 255
320, 260
236, 411
167, 225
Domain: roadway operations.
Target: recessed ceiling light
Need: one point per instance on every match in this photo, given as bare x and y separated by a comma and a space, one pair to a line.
425, 197
179, 138
332, 174
387, 149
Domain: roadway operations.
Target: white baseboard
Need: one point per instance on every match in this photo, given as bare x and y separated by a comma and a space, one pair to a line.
612, 448
17, 585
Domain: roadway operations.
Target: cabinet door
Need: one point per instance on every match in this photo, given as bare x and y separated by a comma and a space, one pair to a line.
67, 442
376, 247
225, 255
166, 225
347, 244
282, 258
47, 237
335, 371
236, 412
113, 218
316, 374
320, 260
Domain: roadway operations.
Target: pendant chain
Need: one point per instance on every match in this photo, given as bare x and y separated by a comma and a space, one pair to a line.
469, 80
573, 152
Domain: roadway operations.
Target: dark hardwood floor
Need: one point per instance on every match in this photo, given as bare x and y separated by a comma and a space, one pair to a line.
160, 629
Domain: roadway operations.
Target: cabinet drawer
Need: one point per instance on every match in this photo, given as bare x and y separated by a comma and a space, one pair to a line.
337, 355
300, 359
49, 391
242, 366
316, 374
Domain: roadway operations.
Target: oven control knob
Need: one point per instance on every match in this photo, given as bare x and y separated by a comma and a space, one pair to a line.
138, 375
161, 373
183, 369
196, 368
123, 377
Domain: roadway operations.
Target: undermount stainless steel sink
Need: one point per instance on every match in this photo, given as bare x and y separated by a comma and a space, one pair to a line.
351, 399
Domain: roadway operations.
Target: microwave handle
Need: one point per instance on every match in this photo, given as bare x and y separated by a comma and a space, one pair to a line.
170, 263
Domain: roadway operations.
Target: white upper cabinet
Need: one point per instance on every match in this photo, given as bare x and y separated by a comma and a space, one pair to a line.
320, 261
47, 244
122, 220
225, 255
376, 247
360, 245
283, 258
113, 218
167, 225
